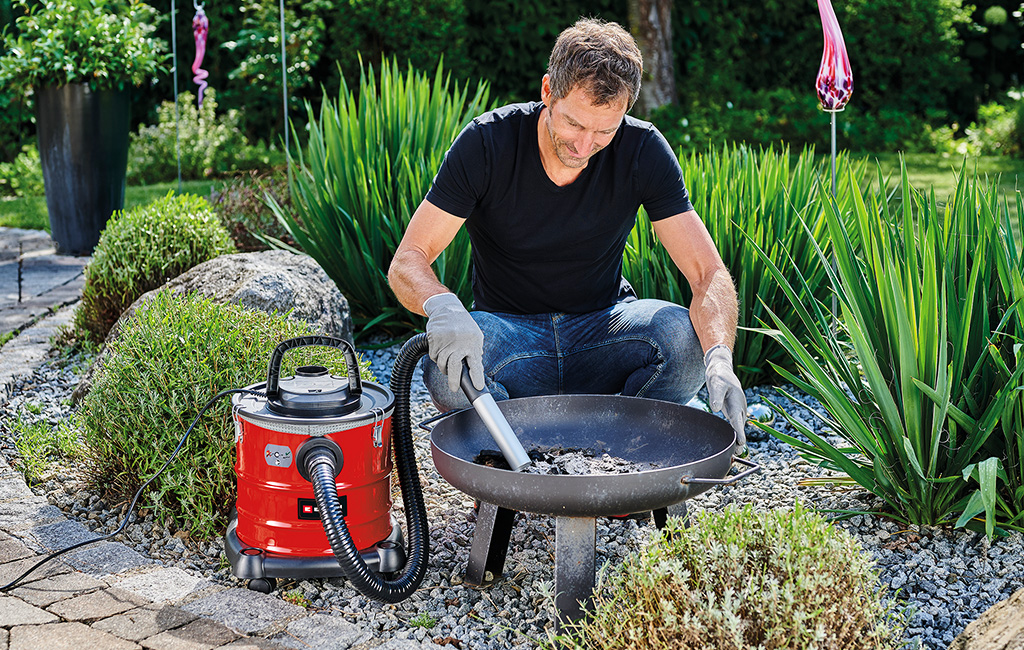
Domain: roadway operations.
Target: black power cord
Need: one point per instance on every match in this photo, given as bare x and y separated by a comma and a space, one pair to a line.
135, 499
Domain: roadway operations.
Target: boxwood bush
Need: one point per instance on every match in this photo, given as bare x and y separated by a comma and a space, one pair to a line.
173, 355
141, 249
743, 579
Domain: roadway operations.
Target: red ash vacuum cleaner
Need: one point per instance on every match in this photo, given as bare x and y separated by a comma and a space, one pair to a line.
314, 467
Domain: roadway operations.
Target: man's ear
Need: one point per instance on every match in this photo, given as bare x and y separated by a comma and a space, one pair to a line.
545, 90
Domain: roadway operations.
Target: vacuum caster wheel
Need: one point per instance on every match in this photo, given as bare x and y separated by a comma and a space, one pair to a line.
263, 585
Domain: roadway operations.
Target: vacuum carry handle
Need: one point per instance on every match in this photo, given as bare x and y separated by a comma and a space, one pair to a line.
355, 384
496, 423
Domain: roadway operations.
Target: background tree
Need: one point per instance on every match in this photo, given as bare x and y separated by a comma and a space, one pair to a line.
650, 22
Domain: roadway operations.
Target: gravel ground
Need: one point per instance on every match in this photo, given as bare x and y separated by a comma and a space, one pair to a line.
948, 577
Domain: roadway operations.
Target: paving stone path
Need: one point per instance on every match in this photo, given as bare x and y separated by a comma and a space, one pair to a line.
107, 596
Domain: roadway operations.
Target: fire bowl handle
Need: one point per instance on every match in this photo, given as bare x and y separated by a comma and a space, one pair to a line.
754, 469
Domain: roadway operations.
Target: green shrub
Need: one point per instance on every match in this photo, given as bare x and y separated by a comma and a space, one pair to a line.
368, 162
104, 43
141, 249
41, 445
242, 206
24, 176
748, 198
172, 356
783, 117
743, 579
923, 367
211, 145
998, 131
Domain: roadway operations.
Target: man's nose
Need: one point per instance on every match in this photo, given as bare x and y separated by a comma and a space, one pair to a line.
584, 143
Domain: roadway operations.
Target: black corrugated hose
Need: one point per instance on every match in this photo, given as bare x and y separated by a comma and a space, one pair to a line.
320, 465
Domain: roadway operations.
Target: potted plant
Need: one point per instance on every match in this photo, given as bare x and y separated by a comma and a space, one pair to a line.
79, 60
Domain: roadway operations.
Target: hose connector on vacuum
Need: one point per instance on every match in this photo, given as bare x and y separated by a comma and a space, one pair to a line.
318, 451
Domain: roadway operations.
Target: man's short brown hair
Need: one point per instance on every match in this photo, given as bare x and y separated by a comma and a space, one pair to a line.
601, 57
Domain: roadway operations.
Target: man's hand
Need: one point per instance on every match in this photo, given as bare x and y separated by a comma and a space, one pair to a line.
725, 393
453, 336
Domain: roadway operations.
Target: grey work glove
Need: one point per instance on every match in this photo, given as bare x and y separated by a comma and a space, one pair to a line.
725, 393
453, 337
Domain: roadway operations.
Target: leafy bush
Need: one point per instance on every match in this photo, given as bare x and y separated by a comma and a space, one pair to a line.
924, 366
24, 176
998, 131
172, 356
211, 145
905, 55
103, 43
141, 249
512, 52
369, 160
749, 198
241, 204
783, 117
740, 579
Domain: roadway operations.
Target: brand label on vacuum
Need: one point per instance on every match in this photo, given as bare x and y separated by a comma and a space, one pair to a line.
309, 510
278, 455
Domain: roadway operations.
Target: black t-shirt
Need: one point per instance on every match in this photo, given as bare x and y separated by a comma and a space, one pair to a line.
538, 247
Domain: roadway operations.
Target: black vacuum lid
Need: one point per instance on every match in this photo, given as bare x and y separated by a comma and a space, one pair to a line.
314, 392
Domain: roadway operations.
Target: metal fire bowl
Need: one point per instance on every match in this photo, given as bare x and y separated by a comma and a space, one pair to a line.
692, 451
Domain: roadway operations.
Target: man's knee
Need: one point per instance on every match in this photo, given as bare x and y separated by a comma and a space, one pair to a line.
682, 359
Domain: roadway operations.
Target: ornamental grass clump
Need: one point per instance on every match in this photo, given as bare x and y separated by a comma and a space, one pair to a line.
171, 357
141, 249
921, 371
740, 579
743, 197
369, 160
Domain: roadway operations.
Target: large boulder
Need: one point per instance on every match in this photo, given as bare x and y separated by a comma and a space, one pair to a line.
270, 281
1000, 628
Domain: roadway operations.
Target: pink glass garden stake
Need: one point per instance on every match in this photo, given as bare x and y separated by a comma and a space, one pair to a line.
200, 29
835, 79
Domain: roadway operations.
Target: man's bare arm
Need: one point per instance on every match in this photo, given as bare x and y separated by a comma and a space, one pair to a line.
714, 310
430, 231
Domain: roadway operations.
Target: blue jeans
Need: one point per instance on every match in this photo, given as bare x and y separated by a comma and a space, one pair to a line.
643, 348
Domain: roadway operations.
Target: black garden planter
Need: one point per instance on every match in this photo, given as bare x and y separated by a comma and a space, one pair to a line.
83, 147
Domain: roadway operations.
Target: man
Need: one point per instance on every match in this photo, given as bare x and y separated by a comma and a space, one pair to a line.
549, 192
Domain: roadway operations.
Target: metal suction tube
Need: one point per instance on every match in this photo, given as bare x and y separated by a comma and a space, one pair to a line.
322, 464
485, 406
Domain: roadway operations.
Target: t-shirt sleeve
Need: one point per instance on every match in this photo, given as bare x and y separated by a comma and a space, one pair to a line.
662, 190
461, 180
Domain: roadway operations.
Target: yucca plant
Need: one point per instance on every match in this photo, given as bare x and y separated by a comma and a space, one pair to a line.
746, 196
368, 162
909, 378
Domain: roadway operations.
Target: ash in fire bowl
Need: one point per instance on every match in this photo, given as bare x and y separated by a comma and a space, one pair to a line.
567, 461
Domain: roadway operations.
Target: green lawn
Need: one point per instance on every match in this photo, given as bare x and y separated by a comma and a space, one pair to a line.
940, 172
31, 212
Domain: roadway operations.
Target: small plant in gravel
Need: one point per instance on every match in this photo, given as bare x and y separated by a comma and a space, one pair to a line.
40, 445
296, 597
424, 620
172, 356
140, 250
742, 579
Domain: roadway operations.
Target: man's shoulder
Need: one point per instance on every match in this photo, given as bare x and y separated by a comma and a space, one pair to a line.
637, 127
508, 115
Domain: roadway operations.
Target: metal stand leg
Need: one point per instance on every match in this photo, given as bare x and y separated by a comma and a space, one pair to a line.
490, 544
680, 510
575, 539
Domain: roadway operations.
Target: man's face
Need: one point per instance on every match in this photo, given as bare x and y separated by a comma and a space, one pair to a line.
578, 129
